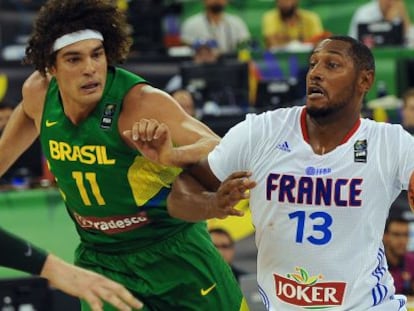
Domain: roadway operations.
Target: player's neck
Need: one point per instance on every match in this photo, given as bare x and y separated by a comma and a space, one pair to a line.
326, 136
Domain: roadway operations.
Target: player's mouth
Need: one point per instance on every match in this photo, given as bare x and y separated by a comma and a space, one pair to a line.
315, 92
90, 87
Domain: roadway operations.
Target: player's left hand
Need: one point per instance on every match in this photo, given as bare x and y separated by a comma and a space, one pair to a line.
152, 139
233, 189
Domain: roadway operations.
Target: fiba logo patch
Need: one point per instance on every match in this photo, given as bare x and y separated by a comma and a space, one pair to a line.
108, 114
361, 151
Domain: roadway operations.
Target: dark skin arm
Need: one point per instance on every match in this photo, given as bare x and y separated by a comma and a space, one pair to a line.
198, 195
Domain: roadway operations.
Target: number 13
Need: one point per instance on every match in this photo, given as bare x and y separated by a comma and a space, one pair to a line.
323, 227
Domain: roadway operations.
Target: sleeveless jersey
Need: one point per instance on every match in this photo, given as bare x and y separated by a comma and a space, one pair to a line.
319, 219
115, 196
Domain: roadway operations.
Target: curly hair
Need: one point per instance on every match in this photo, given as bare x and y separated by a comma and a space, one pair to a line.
59, 17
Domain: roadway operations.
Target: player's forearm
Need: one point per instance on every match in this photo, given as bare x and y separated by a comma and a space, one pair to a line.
20, 255
191, 207
190, 154
189, 201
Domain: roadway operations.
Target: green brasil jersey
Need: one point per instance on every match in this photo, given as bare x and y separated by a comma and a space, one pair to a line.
115, 196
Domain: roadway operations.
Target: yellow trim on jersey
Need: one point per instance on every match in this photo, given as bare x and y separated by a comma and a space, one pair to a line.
147, 179
244, 306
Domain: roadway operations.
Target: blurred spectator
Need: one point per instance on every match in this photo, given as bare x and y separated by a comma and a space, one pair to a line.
287, 23
400, 260
204, 52
380, 10
145, 17
407, 112
228, 30
225, 245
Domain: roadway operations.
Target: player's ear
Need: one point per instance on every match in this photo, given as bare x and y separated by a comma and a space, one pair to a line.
51, 70
365, 81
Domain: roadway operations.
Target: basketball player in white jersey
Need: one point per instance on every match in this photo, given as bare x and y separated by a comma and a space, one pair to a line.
321, 182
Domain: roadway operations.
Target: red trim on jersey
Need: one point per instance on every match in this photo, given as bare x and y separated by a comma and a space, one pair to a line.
351, 132
303, 125
305, 133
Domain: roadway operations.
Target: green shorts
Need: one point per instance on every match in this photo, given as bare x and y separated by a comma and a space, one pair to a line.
184, 272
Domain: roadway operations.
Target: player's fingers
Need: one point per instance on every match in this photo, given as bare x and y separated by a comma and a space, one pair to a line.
235, 195
142, 126
235, 212
135, 130
231, 185
127, 297
237, 175
118, 296
93, 301
162, 129
115, 301
152, 127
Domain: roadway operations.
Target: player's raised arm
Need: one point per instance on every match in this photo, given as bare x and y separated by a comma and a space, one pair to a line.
153, 122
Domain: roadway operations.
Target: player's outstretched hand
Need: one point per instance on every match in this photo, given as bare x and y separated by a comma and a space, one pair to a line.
152, 139
233, 189
87, 285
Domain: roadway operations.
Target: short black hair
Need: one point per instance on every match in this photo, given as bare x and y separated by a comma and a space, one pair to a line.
391, 219
359, 52
59, 17
222, 232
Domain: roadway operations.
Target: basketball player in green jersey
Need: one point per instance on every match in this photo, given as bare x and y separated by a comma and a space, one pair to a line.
92, 117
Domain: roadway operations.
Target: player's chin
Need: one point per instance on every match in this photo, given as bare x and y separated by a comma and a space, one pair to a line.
318, 111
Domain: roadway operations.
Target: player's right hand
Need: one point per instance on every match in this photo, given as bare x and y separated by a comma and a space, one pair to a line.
233, 189
152, 139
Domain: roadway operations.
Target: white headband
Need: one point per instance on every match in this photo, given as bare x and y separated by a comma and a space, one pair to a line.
74, 37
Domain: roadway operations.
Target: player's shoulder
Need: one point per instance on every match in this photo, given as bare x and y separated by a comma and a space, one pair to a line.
281, 115
36, 83
382, 126
140, 100
272, 121
385, 132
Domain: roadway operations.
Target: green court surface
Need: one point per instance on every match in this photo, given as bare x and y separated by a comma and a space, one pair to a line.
40, 216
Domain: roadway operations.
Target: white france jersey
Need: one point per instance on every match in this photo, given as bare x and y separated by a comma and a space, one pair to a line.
319, 218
